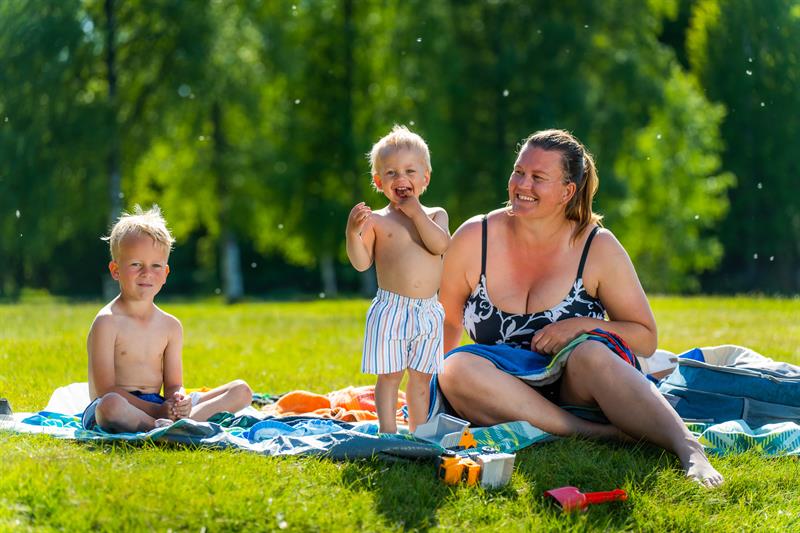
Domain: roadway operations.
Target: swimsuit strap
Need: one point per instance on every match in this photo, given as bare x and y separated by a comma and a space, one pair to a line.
483, 246
586, 251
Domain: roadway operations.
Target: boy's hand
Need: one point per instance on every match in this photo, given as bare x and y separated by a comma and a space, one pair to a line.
410, 206
358, 217
167, 409
181, 406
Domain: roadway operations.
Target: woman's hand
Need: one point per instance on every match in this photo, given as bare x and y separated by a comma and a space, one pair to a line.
553, 337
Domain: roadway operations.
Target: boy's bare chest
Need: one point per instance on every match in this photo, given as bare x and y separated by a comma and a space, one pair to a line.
140, 345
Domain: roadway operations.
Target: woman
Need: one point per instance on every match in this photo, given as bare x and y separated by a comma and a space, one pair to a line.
505, 278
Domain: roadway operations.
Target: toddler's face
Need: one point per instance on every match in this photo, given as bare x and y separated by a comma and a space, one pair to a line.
402, 173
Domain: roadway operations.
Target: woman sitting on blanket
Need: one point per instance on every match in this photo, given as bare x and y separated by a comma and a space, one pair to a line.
510, 279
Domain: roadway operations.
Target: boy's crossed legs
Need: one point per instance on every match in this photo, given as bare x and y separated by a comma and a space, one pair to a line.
114, 413
230, 397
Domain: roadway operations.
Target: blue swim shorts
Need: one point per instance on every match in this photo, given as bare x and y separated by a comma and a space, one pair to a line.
89, 421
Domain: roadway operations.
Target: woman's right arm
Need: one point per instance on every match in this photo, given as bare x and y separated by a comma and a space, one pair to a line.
461, 265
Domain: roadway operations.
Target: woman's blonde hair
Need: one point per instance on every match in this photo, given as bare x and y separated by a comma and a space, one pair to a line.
578, 166
150, 223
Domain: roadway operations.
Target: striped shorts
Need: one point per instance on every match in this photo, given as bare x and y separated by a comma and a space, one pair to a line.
402, 333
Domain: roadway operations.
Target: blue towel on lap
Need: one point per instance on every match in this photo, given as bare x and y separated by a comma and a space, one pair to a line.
533, 368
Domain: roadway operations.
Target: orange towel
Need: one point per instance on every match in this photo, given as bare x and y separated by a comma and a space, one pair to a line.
351, 404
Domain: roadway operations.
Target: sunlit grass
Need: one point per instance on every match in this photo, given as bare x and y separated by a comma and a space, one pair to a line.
50, 484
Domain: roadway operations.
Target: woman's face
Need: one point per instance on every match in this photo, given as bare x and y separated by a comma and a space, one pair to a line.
536, 185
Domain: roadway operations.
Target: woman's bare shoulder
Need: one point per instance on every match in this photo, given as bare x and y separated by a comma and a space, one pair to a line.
469, 230
606, 244
465, 245
607, 258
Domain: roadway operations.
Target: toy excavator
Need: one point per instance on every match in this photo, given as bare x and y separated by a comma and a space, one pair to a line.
487, 467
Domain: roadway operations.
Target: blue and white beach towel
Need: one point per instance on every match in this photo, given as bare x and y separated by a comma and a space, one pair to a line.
296, 435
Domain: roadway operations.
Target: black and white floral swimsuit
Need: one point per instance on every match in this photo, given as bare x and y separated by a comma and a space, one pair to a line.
486, 324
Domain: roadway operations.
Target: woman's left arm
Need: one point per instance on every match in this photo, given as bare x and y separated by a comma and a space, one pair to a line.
618, 288
621, 293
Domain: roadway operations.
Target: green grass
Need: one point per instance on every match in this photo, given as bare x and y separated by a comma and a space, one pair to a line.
48, 484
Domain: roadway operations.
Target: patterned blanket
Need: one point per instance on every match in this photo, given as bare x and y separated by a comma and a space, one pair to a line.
294, 435
298, 435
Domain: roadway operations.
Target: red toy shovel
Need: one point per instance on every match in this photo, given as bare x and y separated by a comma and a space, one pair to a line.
570, 498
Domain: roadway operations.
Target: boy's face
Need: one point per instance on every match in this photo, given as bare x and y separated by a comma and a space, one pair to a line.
402, 173
141, 267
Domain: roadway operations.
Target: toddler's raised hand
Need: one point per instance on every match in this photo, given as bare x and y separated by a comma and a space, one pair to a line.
358, 217
410, 206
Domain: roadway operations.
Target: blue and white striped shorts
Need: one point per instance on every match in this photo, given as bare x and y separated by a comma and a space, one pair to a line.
402, 333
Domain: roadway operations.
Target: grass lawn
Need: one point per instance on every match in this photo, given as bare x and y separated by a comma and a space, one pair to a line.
48, 484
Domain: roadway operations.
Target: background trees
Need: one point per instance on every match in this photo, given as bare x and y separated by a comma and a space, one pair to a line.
247, 122
746, 56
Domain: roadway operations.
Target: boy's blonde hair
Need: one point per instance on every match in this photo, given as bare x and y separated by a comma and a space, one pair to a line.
150, 223
399, 137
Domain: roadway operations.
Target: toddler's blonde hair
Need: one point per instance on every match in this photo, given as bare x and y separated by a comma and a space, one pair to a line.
399, 137
150, 223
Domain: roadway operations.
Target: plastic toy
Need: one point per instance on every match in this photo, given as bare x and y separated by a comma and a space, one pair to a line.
5, 407
496, 468
570, 498
489, 468
448, 432
453, 469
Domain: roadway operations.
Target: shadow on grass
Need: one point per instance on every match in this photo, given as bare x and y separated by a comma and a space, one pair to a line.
406, 493
592, 466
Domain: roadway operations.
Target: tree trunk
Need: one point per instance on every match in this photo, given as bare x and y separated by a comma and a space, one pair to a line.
327, 268
351, 158
230, 263
369, 283
231, 268
110, 287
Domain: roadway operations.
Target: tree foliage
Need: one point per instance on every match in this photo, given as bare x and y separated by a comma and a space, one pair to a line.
248, 122
745, 53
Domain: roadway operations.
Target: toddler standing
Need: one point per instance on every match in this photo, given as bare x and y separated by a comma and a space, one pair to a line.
406, 240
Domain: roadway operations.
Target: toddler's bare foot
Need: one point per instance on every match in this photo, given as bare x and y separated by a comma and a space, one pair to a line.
699, 469
162, 423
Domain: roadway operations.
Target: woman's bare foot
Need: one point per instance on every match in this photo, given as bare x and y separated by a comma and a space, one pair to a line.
698, 468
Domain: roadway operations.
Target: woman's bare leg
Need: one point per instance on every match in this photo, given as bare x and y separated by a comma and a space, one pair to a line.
484, 395
596, 376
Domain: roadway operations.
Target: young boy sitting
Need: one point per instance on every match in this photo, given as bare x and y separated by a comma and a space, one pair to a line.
406, 240
135, 347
